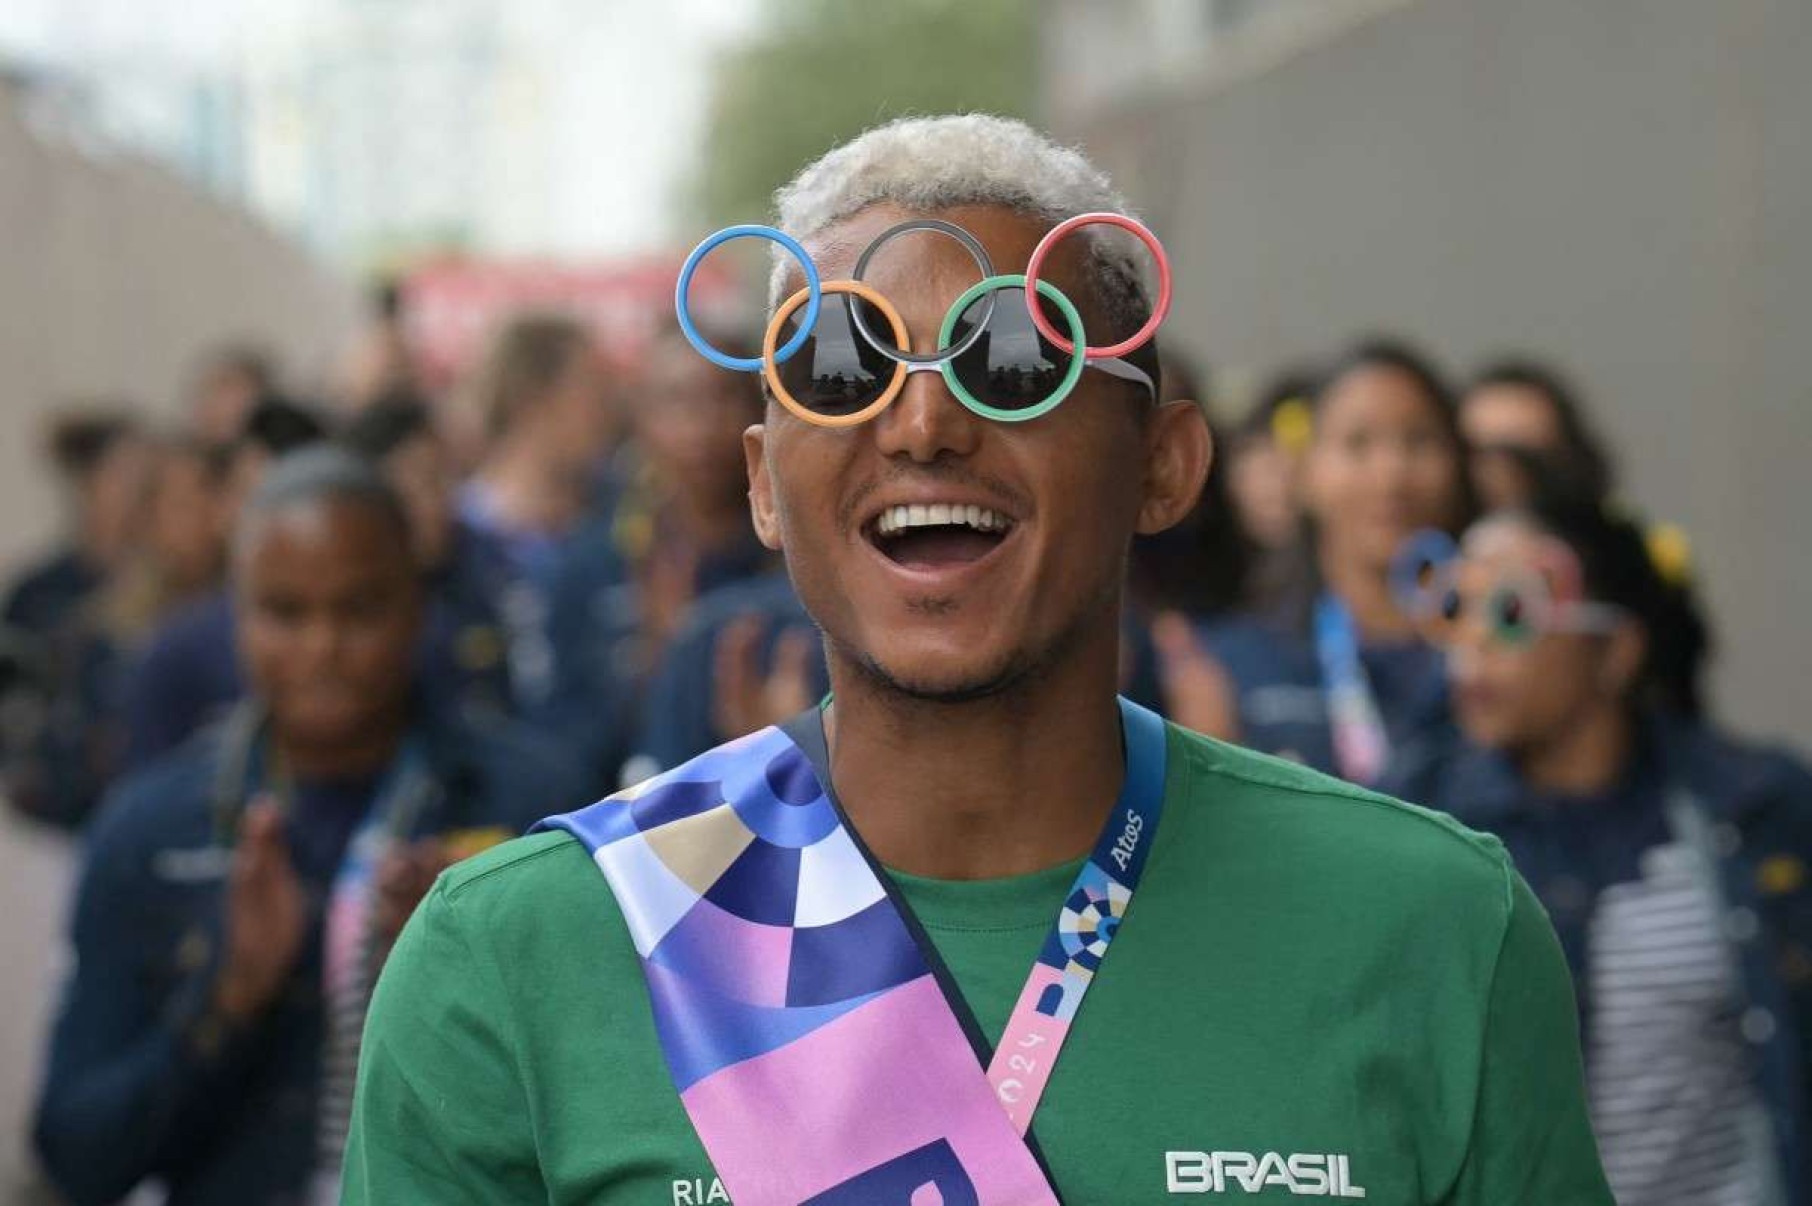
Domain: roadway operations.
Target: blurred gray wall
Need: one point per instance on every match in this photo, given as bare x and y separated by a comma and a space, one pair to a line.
1625, 187
114, 277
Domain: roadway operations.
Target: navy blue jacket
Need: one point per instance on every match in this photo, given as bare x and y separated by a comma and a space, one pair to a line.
602, 678
46, 596
60, 679
677, 720
589, 632
1282, 699
66, 738
187, 677
1751, 809
144, 1079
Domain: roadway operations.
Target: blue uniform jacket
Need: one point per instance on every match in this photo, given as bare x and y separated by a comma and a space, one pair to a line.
677, 722
1282, 699
144, 1079
65, 735
602, 682
60, 681
48, 594
1751, 809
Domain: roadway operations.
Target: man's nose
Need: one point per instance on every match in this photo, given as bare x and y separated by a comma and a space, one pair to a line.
926, 422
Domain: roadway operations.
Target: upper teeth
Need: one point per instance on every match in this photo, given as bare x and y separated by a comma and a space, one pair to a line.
916, 515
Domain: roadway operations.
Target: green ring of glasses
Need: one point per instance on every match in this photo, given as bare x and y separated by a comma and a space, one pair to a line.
1013, 280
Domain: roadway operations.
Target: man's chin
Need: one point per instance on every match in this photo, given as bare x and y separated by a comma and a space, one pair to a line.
1490, 733
928, 680
322, 730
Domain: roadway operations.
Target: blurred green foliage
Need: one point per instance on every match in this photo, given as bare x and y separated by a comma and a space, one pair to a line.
821, 71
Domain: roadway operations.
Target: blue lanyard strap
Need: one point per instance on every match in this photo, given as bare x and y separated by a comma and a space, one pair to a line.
1361, 746
1091, 915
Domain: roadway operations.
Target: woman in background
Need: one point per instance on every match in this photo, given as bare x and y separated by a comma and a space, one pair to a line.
1518, 410
63, 746
102, 461
1672, 860
1264, 460
679, 532
1333, 673
545, 397
183, 551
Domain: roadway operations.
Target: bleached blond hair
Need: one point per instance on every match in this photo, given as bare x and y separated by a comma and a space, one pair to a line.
927, 164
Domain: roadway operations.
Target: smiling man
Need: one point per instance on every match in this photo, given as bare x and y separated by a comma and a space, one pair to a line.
865, 957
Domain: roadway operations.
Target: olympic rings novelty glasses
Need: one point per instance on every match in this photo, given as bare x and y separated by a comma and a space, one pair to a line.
1001, 356
1438, 586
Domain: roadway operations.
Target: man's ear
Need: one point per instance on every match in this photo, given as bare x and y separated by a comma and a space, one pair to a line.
761, 486
1178, 451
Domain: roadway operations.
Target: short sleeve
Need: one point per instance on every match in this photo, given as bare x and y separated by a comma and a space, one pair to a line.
1531, 1135
440, 1113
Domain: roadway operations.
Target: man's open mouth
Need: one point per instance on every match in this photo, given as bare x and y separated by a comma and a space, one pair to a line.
937, 535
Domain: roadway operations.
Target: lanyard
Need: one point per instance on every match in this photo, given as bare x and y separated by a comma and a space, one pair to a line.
1361, 747
408, 788
248, 769
1079, 937
395, 808
348, 955
405, 791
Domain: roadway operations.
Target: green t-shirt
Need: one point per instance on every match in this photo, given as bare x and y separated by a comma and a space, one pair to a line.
1366, 989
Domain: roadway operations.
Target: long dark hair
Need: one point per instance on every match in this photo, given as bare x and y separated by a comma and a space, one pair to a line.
1619, 566
1582, 457
1294, 383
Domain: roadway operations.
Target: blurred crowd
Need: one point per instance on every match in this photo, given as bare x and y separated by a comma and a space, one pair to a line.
293, 657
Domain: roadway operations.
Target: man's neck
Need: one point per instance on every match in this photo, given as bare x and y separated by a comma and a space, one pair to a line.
362, 757
1000, 786
533, 490
1365, 589
1588, 755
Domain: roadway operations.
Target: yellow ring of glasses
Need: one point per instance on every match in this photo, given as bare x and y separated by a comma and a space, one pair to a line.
772, 340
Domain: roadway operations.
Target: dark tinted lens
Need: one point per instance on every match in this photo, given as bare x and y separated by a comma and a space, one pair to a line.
836, 372
1510, 616
1416, 582
1452, 605
1012, 366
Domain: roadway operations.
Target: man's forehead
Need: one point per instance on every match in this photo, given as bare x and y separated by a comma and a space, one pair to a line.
1008, 234
925, 257
1501, 540
347, 529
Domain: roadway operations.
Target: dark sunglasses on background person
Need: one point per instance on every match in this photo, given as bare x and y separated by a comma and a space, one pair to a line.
1439, 587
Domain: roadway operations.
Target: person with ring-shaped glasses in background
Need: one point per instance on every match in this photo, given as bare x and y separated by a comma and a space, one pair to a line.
1671, 857
795, 968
